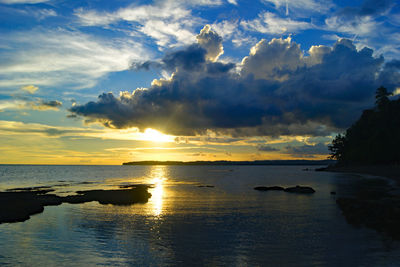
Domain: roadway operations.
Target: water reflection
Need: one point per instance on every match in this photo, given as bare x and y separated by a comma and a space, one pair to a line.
158, 179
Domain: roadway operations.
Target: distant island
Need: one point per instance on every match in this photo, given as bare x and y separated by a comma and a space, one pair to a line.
226, 162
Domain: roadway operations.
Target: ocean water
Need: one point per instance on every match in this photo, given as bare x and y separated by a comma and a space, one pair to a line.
183, 224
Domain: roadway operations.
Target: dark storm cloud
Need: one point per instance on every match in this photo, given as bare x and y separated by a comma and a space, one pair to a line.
191, 59
278, 91
368, 8
394, 64
317, 149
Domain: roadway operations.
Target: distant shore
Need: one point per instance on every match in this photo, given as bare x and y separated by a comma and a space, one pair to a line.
226, 162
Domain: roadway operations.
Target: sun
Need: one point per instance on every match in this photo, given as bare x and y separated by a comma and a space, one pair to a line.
156, 136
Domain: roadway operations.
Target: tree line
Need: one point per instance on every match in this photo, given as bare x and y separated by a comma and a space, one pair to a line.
374, 138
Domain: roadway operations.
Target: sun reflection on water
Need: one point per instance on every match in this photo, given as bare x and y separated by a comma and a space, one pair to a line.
157, 193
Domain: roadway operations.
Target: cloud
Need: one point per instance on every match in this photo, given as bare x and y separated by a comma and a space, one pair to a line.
302, 8
304, 150
63, 58
273, 60
30, 88
169, 23
270, 23
360, 20
265, 148
278, 91
26, 104
211, 42
358, 25
12, 2
46, 105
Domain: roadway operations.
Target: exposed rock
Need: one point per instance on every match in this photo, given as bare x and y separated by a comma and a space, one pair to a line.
18, 206
295, 189
300, 189
269, 188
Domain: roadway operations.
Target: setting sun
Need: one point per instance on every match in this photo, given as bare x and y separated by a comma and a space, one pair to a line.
156, 136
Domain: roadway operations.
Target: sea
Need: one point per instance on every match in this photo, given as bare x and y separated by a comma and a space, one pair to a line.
196, 216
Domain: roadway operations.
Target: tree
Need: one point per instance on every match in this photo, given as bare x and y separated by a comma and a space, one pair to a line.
381, 97
374, 137
337, 148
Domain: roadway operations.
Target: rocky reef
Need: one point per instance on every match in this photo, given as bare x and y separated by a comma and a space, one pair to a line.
19, 204
294, 189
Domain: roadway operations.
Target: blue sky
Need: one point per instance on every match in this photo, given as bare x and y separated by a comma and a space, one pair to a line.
234, 79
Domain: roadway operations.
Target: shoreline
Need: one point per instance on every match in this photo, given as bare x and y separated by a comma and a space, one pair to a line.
391, 172
376, 202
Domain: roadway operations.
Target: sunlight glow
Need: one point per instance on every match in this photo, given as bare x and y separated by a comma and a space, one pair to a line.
157, 193
156, 136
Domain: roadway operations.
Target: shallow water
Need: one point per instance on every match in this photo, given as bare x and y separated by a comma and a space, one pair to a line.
229, 224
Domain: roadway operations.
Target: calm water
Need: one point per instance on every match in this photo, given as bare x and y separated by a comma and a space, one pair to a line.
183, 224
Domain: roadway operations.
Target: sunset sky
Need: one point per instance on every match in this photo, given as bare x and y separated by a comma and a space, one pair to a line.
105, 82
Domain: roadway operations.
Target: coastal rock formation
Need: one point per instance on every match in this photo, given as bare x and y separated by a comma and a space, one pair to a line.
269, 188
19, 205
300, 189
294, 189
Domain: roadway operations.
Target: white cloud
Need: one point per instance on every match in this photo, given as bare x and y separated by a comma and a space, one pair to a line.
225, 28
359, 26
169, 23
273, 59
270, 23
62, 57
301, 8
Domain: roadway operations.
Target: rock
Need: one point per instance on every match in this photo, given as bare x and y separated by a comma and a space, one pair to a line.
115, 197
20, 205
300, 189
269, 188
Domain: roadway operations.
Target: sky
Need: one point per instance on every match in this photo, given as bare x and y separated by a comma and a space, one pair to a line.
105, 82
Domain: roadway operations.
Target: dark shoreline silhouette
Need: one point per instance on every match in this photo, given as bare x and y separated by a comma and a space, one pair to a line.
20, 204
371, 146
230, 163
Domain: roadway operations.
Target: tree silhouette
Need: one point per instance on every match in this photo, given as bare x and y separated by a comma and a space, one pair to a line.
382, 98
374, 137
